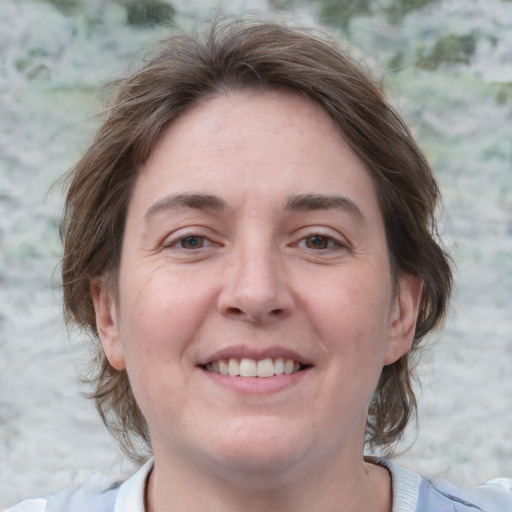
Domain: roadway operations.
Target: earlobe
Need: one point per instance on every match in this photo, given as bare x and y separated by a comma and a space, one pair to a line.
403, 317
107, 322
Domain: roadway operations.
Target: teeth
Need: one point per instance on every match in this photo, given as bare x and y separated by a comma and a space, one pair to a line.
233, 367
246, 367
265, 368
223, 367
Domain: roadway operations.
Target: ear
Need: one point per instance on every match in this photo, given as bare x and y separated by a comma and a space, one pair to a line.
107, 322
403, 317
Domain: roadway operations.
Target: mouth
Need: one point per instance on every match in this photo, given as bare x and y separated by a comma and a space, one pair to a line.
263, 368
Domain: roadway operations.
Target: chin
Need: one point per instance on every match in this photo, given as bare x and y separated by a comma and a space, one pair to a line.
264, 445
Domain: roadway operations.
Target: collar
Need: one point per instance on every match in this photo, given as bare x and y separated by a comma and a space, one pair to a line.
405, 487
131, 493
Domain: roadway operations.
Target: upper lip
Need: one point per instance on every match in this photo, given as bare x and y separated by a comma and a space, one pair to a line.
242, 351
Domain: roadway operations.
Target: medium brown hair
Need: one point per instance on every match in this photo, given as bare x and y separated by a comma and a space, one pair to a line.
236, 56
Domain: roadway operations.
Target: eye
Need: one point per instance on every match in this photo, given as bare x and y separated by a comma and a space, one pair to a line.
191, 242
319, 242
188, 242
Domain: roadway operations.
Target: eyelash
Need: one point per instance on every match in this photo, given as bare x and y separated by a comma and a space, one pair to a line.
327, 242
178, 242
332, 243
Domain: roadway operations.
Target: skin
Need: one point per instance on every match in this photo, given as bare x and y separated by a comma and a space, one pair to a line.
225, 252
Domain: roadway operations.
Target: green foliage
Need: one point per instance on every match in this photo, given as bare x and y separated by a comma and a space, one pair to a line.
281, 5
450, 48
396, 62
66, 6
398, 9
340, 12
148, 13
503, 93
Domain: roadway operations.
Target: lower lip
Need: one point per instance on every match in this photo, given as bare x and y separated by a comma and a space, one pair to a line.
257, 385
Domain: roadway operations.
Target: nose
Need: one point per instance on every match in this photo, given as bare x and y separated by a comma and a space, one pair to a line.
255, 287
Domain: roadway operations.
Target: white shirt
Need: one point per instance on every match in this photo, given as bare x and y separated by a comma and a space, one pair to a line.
411, 493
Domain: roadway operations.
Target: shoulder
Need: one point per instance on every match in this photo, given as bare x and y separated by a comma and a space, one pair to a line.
75, 499
413, 493
119, 497
494, 496
34, 505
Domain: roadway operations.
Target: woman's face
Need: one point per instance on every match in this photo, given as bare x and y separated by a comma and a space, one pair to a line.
254, 244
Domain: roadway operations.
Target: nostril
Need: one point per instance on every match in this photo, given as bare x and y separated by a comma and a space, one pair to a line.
239, 312
234, 311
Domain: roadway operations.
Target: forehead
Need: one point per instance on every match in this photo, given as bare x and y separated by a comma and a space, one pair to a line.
266, 141
234, 117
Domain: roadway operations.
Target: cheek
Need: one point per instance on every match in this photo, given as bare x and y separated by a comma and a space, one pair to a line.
352, 320
355, 305
159, 320
159, 314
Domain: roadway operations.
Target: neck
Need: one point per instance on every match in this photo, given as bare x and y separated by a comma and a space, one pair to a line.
358, 487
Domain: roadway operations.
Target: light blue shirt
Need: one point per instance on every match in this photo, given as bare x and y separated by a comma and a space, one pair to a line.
411, 493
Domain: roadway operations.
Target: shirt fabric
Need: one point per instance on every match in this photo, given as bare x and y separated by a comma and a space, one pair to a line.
411, 493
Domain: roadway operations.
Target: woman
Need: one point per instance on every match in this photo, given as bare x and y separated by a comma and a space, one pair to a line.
251, 240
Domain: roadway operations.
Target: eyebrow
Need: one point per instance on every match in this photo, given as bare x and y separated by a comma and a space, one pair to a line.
306, 202
295, 203
196, 201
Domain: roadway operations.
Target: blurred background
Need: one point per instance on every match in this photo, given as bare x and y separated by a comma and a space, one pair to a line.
447, 67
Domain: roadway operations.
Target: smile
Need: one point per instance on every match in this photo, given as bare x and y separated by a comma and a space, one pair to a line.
246, 367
